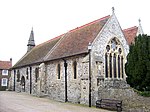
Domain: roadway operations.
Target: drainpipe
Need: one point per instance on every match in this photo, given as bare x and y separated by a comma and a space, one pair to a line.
30, 80
65, 65
14, 79
89, 50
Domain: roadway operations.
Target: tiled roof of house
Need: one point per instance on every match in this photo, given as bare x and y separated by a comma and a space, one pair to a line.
76, 41
130, 34
38, 53
5, 64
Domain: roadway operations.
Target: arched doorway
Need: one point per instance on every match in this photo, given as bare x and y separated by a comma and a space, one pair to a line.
22, 84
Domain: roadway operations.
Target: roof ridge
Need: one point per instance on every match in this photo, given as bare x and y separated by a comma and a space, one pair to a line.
77, 28
49, 40
4, 61
74, 29
130, 28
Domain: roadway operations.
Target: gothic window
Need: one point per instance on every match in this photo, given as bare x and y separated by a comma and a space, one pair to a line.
113, 44
108, 48
115, 73
120, 51
18, 76
75, 69
58, 71
114, 59
122, 66
106, 65
118, 66
36, 74
27, 74
110, 65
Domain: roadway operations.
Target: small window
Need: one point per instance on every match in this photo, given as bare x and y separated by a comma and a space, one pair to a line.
75, 69
4, 72
107, 48
36, 74
18, 76
58, 71
27, 74
4, 82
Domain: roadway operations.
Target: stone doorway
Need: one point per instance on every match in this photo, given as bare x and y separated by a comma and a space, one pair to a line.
22, 84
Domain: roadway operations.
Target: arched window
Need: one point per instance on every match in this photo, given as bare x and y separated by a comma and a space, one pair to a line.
58, 71
106, 65
118, 66
75, 69
36, 74
115, 73
110, 65
122, 67
27, 74
114, 59
18, 76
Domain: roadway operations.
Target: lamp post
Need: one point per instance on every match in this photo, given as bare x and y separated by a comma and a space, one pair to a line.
89, 50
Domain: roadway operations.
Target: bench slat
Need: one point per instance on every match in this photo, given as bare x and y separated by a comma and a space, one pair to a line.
109, 104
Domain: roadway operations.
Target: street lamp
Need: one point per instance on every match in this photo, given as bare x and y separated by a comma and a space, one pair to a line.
89, 50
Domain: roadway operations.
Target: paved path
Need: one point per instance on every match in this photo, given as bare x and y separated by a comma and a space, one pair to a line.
22, 102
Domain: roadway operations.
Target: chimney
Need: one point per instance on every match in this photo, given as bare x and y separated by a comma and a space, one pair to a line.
11, 61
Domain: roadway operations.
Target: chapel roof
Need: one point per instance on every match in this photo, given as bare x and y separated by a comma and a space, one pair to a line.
76, 41
5, 64
38, 53
71, 43
130, 34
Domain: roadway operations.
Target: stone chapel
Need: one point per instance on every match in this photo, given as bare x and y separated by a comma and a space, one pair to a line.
82, 65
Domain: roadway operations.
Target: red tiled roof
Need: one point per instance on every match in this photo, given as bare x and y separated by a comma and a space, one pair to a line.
38, 53
130, 34
72, 43
5, 64
76, 41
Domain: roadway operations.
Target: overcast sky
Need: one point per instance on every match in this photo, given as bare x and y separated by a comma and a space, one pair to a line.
50, 18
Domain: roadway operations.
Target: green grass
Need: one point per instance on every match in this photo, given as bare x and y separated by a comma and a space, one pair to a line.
143, 93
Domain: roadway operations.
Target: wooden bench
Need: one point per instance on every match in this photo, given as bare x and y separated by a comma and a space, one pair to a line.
109, 104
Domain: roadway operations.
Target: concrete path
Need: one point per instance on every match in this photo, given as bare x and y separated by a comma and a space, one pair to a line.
23, 102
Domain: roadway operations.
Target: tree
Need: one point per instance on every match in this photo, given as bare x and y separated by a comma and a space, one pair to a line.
138, 64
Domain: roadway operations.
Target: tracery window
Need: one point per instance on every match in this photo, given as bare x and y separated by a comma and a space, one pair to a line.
110, 65
114, 60
122, 66
106, 65
114, 63
118, 66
